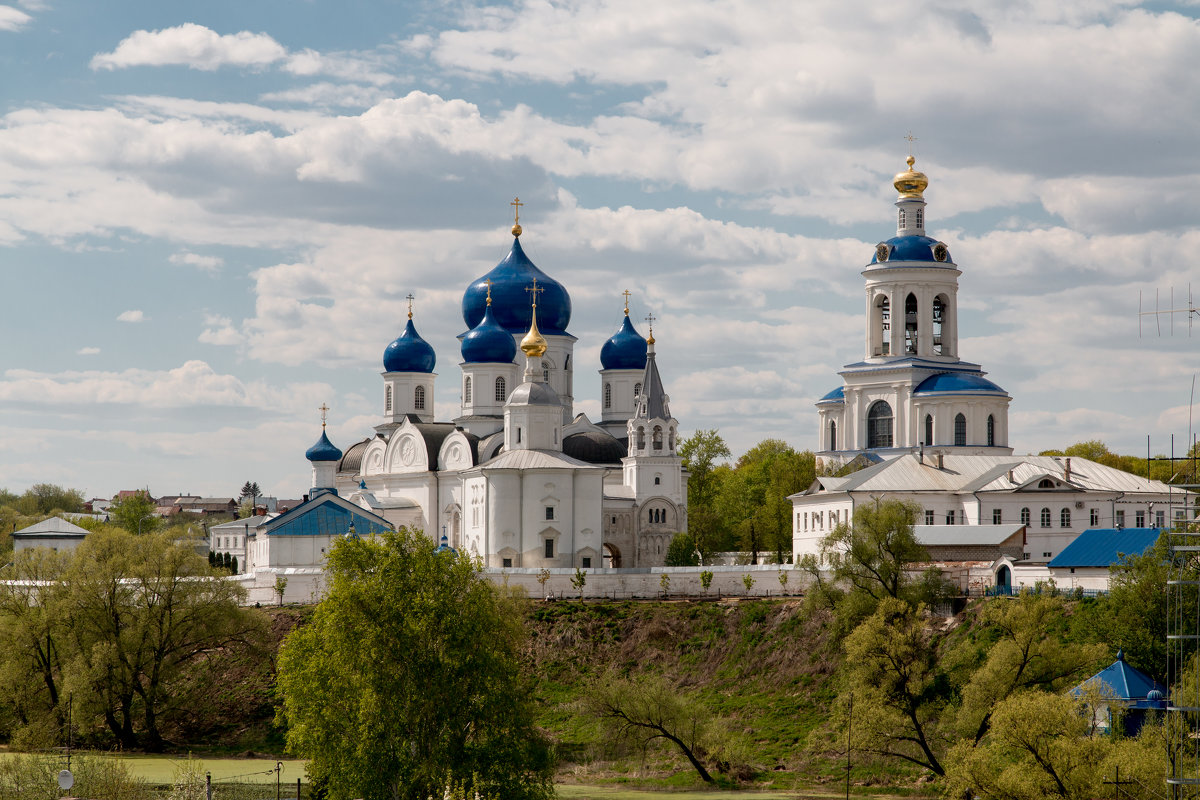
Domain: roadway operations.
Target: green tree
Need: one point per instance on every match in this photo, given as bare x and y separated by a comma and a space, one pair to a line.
49, 498
754, 498
700, 453
408, 679
281, 583
579, 580
681, 552
134, 513
706, 578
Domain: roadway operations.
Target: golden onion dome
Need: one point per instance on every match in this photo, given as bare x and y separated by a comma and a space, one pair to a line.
910, 183
534, 345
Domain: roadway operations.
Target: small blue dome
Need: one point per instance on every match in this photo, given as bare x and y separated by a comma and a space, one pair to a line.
323, 450
488, 343
510, 302
625, 350
838, 395
957, 383
913, 248
409, 353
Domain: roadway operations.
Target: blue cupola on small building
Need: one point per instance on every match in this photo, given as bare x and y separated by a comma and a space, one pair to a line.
409, 352
488, 342
625, 350
324, 457
323, 450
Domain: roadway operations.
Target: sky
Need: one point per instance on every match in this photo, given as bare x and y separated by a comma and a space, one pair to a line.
211, 213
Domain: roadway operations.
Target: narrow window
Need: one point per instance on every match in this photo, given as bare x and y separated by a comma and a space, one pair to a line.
518, 435
501, 390
960, 431
1160, 519
658, 437
929, 430
928, 516
1045, 518
991, 431
549, 548
657, 480
1094, 517
1120, 520
467, 391
608, 395
920, 218
419, 398
650, 516
901, 222
939, 315
587, 563
910, 324
641, 438
672, 442
885, 327
832, 435
1064, 518
549, 512
950, 517
1024, 516
879, 425
997, 516
1139, 519
387, 400
637, 389
1047, 554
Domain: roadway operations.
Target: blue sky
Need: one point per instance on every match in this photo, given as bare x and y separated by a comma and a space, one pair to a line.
210, 213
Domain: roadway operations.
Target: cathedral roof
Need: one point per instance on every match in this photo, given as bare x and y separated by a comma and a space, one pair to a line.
488, 342
957, 383
838, 395
594, 447
533, 394
913, 247
654, 405
323, 450
352, 460
509, 280
625, 350
409, 353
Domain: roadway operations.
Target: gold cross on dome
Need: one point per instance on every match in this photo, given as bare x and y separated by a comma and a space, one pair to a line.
650, 321
488, 281
534, 292
324, 409
516, 204
626, 293
409, 297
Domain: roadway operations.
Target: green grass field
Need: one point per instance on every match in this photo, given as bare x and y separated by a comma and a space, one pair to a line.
161, 769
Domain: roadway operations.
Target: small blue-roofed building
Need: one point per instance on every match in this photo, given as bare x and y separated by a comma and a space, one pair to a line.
1122, 694
1086, 562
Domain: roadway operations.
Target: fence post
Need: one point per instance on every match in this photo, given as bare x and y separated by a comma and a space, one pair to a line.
297, 789
208, 785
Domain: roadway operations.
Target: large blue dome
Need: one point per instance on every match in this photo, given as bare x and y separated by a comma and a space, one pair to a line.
838, 395
409, 353
323, 450
625, 350
914, 248
510, 302
488, 343
957, 383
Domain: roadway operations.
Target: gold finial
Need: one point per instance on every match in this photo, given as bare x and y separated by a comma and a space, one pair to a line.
534, 345
488, 281
324, 409
409, 297
911, 184
516, 204
626, 293
650, 321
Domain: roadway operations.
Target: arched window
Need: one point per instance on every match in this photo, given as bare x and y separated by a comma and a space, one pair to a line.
885, 325
641, 438
929, 430
671, 444
501, 390
657, 437
1024, 516
419, 398
1064, 518
387, 400
1045, 518
991, 431
939, 315
546, 371
910, 324
960, 431
657, 480
650, 516
637, 389
920, 218
832, 435
608, 395
879, 425
901, 219
467, 391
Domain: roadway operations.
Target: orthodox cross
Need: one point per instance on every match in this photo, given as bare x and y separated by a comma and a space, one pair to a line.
910, 139
488, 281
534, 292
410, 299
516, 204
324, 409
626, 293
650, 321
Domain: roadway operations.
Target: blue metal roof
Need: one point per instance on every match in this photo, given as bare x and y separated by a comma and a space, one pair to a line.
488, 342
838, 395
323, 450
1120, 681
1103, 547
913, 248
957, 383
409, 353
510, 278
325, 516
625, 350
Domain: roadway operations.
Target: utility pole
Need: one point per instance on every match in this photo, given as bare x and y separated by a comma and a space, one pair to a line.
849, 728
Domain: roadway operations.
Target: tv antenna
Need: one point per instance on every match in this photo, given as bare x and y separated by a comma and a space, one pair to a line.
1190, 310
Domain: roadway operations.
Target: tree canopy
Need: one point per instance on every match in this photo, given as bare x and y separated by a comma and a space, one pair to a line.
408, 681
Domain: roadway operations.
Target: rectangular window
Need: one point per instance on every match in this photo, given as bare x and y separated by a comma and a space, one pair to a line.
1024, 556
506, 562
1160, 519
950, 517
587, 563
1139, 519
1120, 518
997, 516
1047, 555
549, 548
549, 512
1094, 517
928, 516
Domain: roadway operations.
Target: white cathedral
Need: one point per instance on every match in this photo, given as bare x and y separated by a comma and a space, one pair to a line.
518, 478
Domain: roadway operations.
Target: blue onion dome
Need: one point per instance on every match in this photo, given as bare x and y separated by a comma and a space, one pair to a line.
625, 350
957, 383
409, 353
509, 280
488, 343
912, 248
323, 450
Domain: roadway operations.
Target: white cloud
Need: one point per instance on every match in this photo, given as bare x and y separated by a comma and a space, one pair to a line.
88, 351
201, 262
329, 95
219, 330
194, 46
133, 315
13, 19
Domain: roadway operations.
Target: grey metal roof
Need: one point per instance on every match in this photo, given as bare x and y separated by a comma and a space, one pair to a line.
594, 447
655, 404
943, 535
243, 524
533, 394
535, 459
52, 526
352, 460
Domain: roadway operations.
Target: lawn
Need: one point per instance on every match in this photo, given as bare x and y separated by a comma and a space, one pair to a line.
161, 769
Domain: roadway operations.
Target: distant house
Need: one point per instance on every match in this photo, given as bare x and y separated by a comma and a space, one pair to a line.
1085, 563
1124, 691
53, 533
231, 537
207, 506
